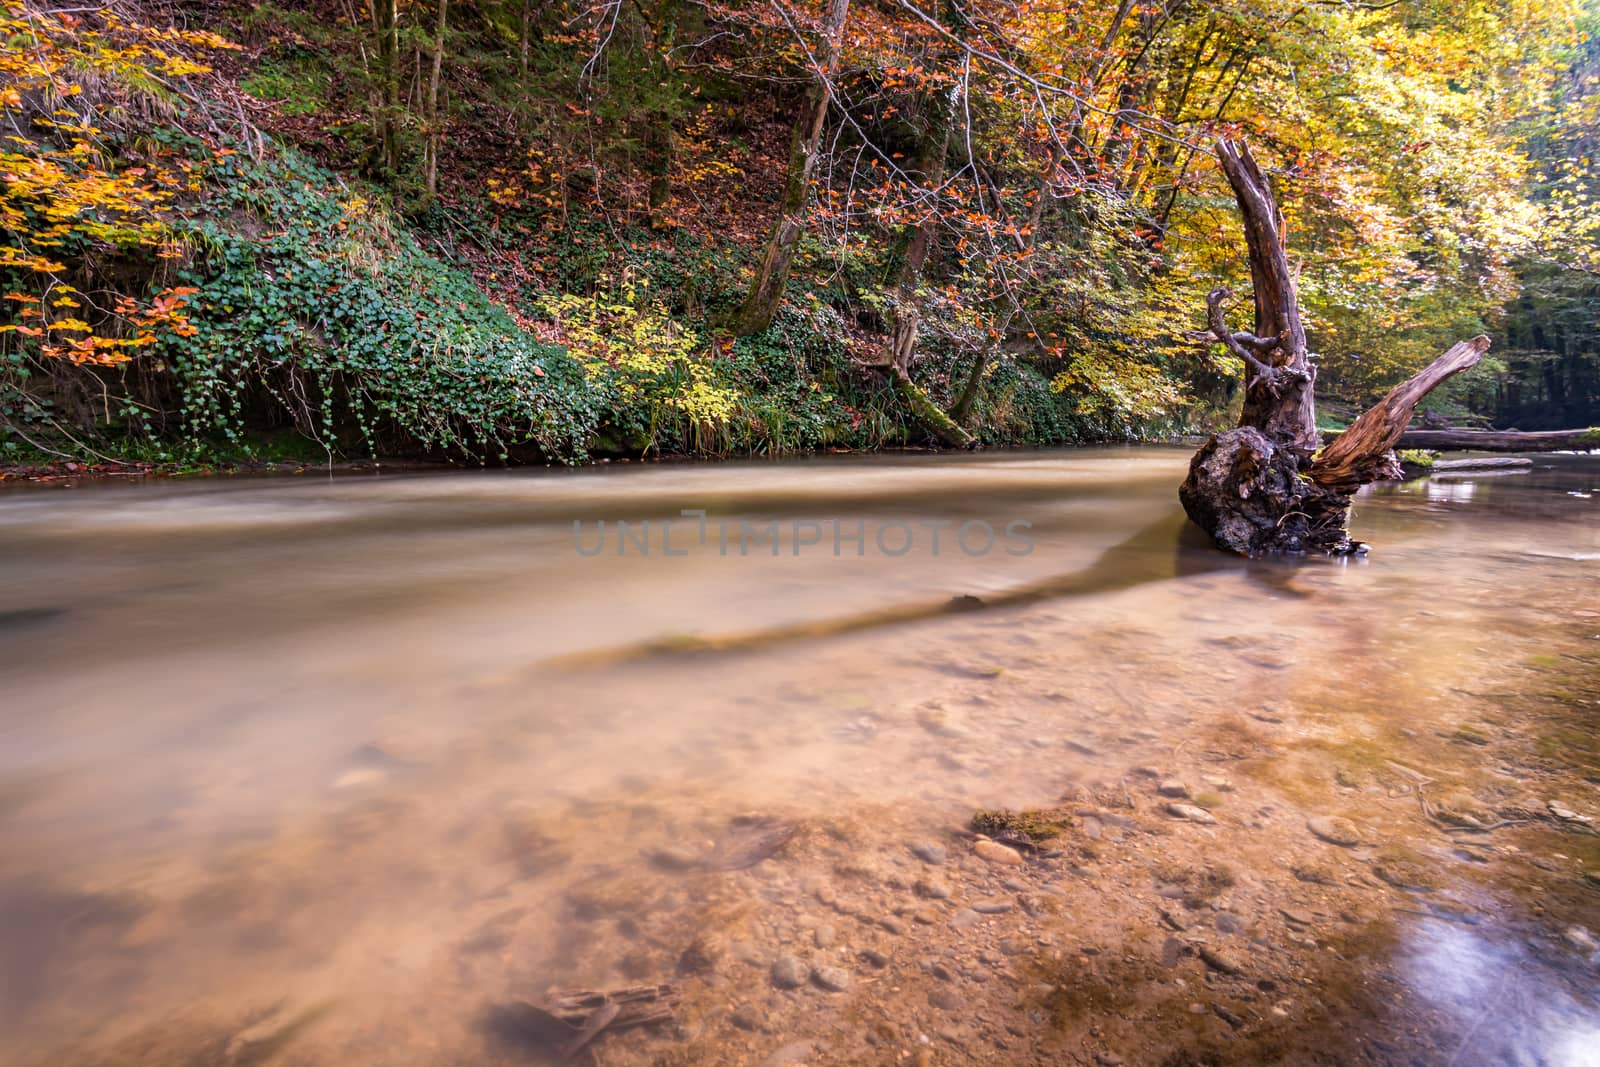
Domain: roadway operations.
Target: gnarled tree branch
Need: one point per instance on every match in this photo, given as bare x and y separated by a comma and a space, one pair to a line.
1364, 452
1258, 374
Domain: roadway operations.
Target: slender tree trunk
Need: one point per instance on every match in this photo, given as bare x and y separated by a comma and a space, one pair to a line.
1260, 489
1582, 440
917, 241
660, 142
906, 318
660, 138
523, 45
1504, 440
430, 170
386, 25
766, 292
969, 389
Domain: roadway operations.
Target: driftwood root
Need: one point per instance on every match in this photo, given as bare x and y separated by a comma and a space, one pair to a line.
1251, 496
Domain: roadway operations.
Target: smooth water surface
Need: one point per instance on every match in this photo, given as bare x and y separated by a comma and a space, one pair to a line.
388, 749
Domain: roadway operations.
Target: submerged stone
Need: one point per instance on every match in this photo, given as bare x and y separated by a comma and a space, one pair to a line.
1334, 830
994, 852
789, 973
833, 979
1191, 813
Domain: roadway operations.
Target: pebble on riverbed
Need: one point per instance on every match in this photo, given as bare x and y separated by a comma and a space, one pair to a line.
995, 852
669, 858
993, 907
1581, 939
789, 973
1220, 961
1334, 830
1191, 813
833, 979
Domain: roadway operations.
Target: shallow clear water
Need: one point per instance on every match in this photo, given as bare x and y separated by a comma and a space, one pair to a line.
398, 747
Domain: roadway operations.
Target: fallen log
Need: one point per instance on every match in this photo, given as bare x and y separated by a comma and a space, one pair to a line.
1481, 463
928, 415
1502, 440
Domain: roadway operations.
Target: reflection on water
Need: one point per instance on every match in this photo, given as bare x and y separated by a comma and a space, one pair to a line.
1501, 999
328, 770
1455, 491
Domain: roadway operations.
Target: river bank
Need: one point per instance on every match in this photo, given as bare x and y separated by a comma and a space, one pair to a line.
58, 470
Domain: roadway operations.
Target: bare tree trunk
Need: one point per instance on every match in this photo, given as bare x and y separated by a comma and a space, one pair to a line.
660, 137
969, 389
522, 48
660, 142
1258, 489
1365, 451
1279, 395
766, 293
430, 163
386, 25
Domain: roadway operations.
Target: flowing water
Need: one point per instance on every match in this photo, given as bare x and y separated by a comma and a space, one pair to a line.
330, 770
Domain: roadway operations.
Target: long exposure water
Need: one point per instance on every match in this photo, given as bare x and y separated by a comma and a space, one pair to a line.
331, 770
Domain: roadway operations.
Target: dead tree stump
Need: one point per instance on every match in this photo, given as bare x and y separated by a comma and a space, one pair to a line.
1263, 488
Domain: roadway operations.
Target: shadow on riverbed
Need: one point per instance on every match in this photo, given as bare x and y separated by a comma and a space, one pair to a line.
1172, 547
47, 930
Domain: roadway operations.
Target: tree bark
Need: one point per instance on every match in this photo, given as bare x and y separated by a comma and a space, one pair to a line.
386, 25
1364, 452
1279, 395
660, 137
1260, 489
944, 429
430, 163
969, 390
660, 143
523, 47
766, 293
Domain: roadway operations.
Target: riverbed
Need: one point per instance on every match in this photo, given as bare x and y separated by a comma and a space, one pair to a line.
368, 769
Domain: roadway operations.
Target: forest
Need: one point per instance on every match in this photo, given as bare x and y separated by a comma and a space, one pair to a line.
503, 231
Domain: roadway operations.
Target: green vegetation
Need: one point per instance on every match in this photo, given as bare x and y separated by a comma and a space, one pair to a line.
513, 233
1416, 457
297, 88
1039, 824
363, 341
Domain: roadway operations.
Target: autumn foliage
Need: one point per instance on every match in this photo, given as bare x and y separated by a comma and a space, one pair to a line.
69, 196
1005, 220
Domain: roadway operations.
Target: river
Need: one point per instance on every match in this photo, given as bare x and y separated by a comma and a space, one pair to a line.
339, 770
